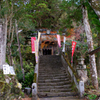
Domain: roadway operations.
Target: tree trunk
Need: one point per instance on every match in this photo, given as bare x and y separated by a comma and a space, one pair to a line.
90, 47
5, 39
98, 57
10, 38
1, 44
21, 62
95, 4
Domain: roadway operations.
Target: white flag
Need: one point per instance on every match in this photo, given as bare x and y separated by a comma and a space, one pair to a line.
63, 50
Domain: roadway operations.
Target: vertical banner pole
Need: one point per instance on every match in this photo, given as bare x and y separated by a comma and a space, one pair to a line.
72, 61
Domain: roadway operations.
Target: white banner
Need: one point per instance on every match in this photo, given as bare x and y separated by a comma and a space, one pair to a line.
59, 41
64, 41
39, 34
36, 50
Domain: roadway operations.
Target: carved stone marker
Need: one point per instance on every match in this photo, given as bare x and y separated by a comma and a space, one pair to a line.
11, 71
8, 69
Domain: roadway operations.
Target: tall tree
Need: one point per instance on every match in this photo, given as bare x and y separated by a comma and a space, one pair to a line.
74, 7
95, 4
3, 35
11, 10
90, 47
95, 24
45, 13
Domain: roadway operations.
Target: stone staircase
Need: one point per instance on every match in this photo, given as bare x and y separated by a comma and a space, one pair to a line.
53, 81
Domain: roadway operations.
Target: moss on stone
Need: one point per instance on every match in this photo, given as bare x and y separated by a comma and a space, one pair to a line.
35, 75
8, 89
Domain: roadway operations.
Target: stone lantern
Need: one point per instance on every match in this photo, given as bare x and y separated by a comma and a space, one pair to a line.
81, 69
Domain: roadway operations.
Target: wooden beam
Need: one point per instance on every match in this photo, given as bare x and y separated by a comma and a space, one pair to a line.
94, 51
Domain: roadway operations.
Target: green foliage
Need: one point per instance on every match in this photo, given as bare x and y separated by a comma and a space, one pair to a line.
25, 49
28, 79
92, 97
28, 67
85, 94
94, 22
45, 14
83, 48
74, 89
73, 12
29, 74
99, 81
81, 45
19, 73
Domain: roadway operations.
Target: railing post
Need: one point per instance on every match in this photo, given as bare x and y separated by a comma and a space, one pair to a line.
81, 88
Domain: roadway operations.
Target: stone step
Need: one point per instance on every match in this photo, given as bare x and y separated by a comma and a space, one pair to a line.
24, 99
54, 84
53, 87
55, 90
51, 71
49, 65
51, 68
44, 67
57, 77
53, 76
45, 94
53, 80
61, 98
49, 77
50, 61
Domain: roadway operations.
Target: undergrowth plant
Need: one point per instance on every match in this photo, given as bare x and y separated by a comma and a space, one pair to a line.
92, 97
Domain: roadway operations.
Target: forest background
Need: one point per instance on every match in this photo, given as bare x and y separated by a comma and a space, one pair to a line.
62, 15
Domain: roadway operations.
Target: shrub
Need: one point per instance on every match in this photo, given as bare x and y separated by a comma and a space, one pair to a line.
92, 97
28, 79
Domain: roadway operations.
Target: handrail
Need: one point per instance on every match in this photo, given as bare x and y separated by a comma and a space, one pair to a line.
94, 51
79, 83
